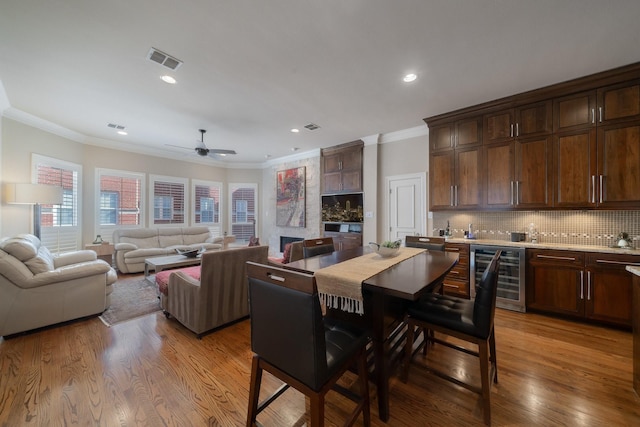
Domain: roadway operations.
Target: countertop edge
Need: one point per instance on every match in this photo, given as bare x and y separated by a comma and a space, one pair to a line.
633, 269
557, 246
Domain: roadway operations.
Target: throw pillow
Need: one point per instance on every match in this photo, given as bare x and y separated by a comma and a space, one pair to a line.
254, 241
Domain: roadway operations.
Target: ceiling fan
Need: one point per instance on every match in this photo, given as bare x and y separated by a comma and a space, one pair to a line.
202, 150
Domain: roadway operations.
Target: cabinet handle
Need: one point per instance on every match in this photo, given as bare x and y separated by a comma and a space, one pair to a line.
517, 129
452, 249
600, 113
511, 133
588, 286
517, 193
452, 272
456, 195
446, 285
606, 261
593, 115
511, 193
582, 285
593, 188
563, 258
601, 185
451, 196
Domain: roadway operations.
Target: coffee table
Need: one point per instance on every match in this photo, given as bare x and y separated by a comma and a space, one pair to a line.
171, 261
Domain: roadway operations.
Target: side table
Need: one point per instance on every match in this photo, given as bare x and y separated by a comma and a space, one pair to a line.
103, 250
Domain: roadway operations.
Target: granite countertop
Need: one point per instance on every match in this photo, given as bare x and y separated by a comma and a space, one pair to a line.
558, 246
633, 269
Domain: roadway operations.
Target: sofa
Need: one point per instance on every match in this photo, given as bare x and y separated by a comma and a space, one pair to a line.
38, 289
213, 294
133, 245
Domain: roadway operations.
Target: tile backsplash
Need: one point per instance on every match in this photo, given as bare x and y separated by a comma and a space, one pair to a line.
597, 228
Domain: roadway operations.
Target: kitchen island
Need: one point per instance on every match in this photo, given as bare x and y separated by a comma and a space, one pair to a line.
636, 326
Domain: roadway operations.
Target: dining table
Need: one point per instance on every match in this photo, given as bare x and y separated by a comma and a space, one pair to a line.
385, 297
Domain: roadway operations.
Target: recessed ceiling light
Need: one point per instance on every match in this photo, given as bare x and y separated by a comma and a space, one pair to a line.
409, 78
222, 154
168, 79
121, 132
294, 130
294, 148
267, 156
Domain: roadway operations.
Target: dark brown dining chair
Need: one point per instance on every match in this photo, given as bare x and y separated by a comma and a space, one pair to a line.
424, 242
319, 246
470, 321
291, 340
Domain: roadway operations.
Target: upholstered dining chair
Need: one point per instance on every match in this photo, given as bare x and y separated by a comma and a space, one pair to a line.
431, 243
319, 246
467, 320
291, 340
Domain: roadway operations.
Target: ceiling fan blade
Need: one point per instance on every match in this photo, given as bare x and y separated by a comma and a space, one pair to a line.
221, 151
179, 146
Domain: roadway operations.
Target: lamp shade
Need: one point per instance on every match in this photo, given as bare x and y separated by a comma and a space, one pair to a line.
30, 194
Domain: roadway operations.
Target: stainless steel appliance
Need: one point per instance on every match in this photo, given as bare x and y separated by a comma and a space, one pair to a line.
511, 276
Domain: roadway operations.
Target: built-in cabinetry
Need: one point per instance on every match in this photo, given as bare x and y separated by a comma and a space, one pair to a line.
342, 168
455, 164
456, 282
345, 236
571, 145
586, 285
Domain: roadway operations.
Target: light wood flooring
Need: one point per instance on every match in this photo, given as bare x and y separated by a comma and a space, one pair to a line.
153, 372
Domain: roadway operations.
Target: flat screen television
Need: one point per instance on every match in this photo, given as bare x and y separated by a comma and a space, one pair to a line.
342, 207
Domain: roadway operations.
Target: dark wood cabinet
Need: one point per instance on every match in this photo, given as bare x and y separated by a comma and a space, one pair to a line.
456, 282
455, 179
343, 241
597, 148
592, 286
342, 168
520, 122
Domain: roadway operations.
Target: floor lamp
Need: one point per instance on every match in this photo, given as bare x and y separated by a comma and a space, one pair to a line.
33, 194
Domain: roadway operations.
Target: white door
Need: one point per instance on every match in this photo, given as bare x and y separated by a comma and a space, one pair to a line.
407, 214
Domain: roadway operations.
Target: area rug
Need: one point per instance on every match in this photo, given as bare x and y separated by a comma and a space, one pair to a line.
131, 297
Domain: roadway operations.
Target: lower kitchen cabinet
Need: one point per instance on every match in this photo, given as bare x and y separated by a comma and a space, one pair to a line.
456, 282
343, 241
583, 285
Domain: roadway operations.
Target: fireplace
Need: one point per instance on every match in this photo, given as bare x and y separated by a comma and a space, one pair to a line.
285, 239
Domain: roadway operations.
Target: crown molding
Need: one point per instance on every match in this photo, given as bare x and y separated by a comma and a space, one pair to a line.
42, 124
403, 134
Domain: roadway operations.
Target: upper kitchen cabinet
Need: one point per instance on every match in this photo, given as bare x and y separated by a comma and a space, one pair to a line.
520, 122
596, 148
342, 168
455, 164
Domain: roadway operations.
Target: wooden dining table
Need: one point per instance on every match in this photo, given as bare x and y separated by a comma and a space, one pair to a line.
385, 298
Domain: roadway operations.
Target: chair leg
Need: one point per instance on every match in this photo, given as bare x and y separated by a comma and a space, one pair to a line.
364, 388
254, 391
483, 353
492, 355
408, 351
317, 410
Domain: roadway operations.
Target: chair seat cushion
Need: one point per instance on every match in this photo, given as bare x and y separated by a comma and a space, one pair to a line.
162, 278
342, 340
450, 312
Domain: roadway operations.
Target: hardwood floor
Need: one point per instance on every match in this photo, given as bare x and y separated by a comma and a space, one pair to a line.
151, 371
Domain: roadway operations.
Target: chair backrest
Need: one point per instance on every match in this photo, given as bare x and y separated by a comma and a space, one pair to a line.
319, 246
431, 243
287, 329
484, 306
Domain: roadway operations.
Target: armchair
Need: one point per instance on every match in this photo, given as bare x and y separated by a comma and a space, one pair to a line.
38, 289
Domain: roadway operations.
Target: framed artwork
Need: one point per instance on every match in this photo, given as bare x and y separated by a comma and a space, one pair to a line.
290, 197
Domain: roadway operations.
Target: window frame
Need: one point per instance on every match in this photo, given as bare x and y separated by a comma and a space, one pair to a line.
104, 230
170, 180
215, 227
252, 215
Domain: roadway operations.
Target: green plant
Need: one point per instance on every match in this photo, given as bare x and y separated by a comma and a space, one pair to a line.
391, 244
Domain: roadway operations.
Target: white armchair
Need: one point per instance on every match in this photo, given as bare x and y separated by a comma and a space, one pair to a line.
38, 289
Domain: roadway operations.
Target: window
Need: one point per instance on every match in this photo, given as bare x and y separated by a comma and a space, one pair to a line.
206, 205
168, 198
119, 201
243, 203
60, 224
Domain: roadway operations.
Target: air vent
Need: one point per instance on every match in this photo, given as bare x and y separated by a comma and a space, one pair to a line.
115, 126
312, 126
162, 58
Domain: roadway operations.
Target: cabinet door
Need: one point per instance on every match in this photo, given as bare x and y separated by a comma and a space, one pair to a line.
498, 126
441, 137
555, 281
441, 171
331, 162
332, 182
351, 240
533, 119
608, 296
574, 112
619, 102
574, 169
467, 189
468, 132
352, 159
499, 181
619, 166
351, 181
533, 173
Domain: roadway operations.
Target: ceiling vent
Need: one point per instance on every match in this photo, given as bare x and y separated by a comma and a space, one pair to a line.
163, 59
115, 126
311, 126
